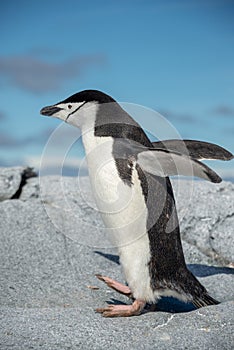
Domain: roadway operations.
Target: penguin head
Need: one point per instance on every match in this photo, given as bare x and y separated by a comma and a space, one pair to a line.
77, 108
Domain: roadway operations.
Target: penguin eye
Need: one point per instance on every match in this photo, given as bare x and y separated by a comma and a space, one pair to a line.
69, 106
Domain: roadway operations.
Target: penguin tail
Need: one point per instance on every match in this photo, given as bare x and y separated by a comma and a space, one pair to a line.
204, 300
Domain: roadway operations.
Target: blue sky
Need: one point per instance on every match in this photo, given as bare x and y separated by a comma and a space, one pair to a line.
176, 57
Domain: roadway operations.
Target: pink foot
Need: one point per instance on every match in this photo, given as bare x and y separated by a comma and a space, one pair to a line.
123, 310
119, 287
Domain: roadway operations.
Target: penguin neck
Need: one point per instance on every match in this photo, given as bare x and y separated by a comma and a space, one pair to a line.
98, 149
103, 124
92, 142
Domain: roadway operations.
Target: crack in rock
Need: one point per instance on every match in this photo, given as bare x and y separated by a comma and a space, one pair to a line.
165, 323
26, 174
12, 181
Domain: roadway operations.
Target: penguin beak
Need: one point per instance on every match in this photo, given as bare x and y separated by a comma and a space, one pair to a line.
50, 110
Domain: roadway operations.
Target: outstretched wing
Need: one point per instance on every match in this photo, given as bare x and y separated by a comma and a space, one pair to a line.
195, 149
163, 162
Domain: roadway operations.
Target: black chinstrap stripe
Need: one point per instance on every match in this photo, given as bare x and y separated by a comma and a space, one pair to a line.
75, 110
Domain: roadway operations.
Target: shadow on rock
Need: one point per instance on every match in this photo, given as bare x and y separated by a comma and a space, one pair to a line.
200, 270
165, 304
111, 257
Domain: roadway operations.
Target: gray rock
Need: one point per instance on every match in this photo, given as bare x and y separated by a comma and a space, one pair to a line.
53, 243
79, 328
206, 214
11, 180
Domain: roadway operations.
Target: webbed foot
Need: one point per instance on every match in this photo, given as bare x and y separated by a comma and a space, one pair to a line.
123, 310
119, 287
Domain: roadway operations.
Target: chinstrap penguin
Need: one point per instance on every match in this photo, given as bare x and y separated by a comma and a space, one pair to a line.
130, 180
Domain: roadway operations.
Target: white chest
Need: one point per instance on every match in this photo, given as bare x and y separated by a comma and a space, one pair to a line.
120, 205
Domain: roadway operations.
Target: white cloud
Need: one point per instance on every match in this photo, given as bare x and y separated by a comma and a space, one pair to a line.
37, 75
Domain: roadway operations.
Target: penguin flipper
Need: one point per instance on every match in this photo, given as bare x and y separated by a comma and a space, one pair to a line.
195, 149
162, 162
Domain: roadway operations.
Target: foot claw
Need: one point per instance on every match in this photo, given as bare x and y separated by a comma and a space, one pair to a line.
101, 310
99, 276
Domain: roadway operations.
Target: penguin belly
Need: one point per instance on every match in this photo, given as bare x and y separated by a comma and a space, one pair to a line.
124, 212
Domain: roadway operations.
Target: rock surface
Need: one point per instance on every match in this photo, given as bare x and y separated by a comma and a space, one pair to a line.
12, 179
53, 242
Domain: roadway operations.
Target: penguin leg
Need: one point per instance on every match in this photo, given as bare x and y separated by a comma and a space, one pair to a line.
119, 287
123, 310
